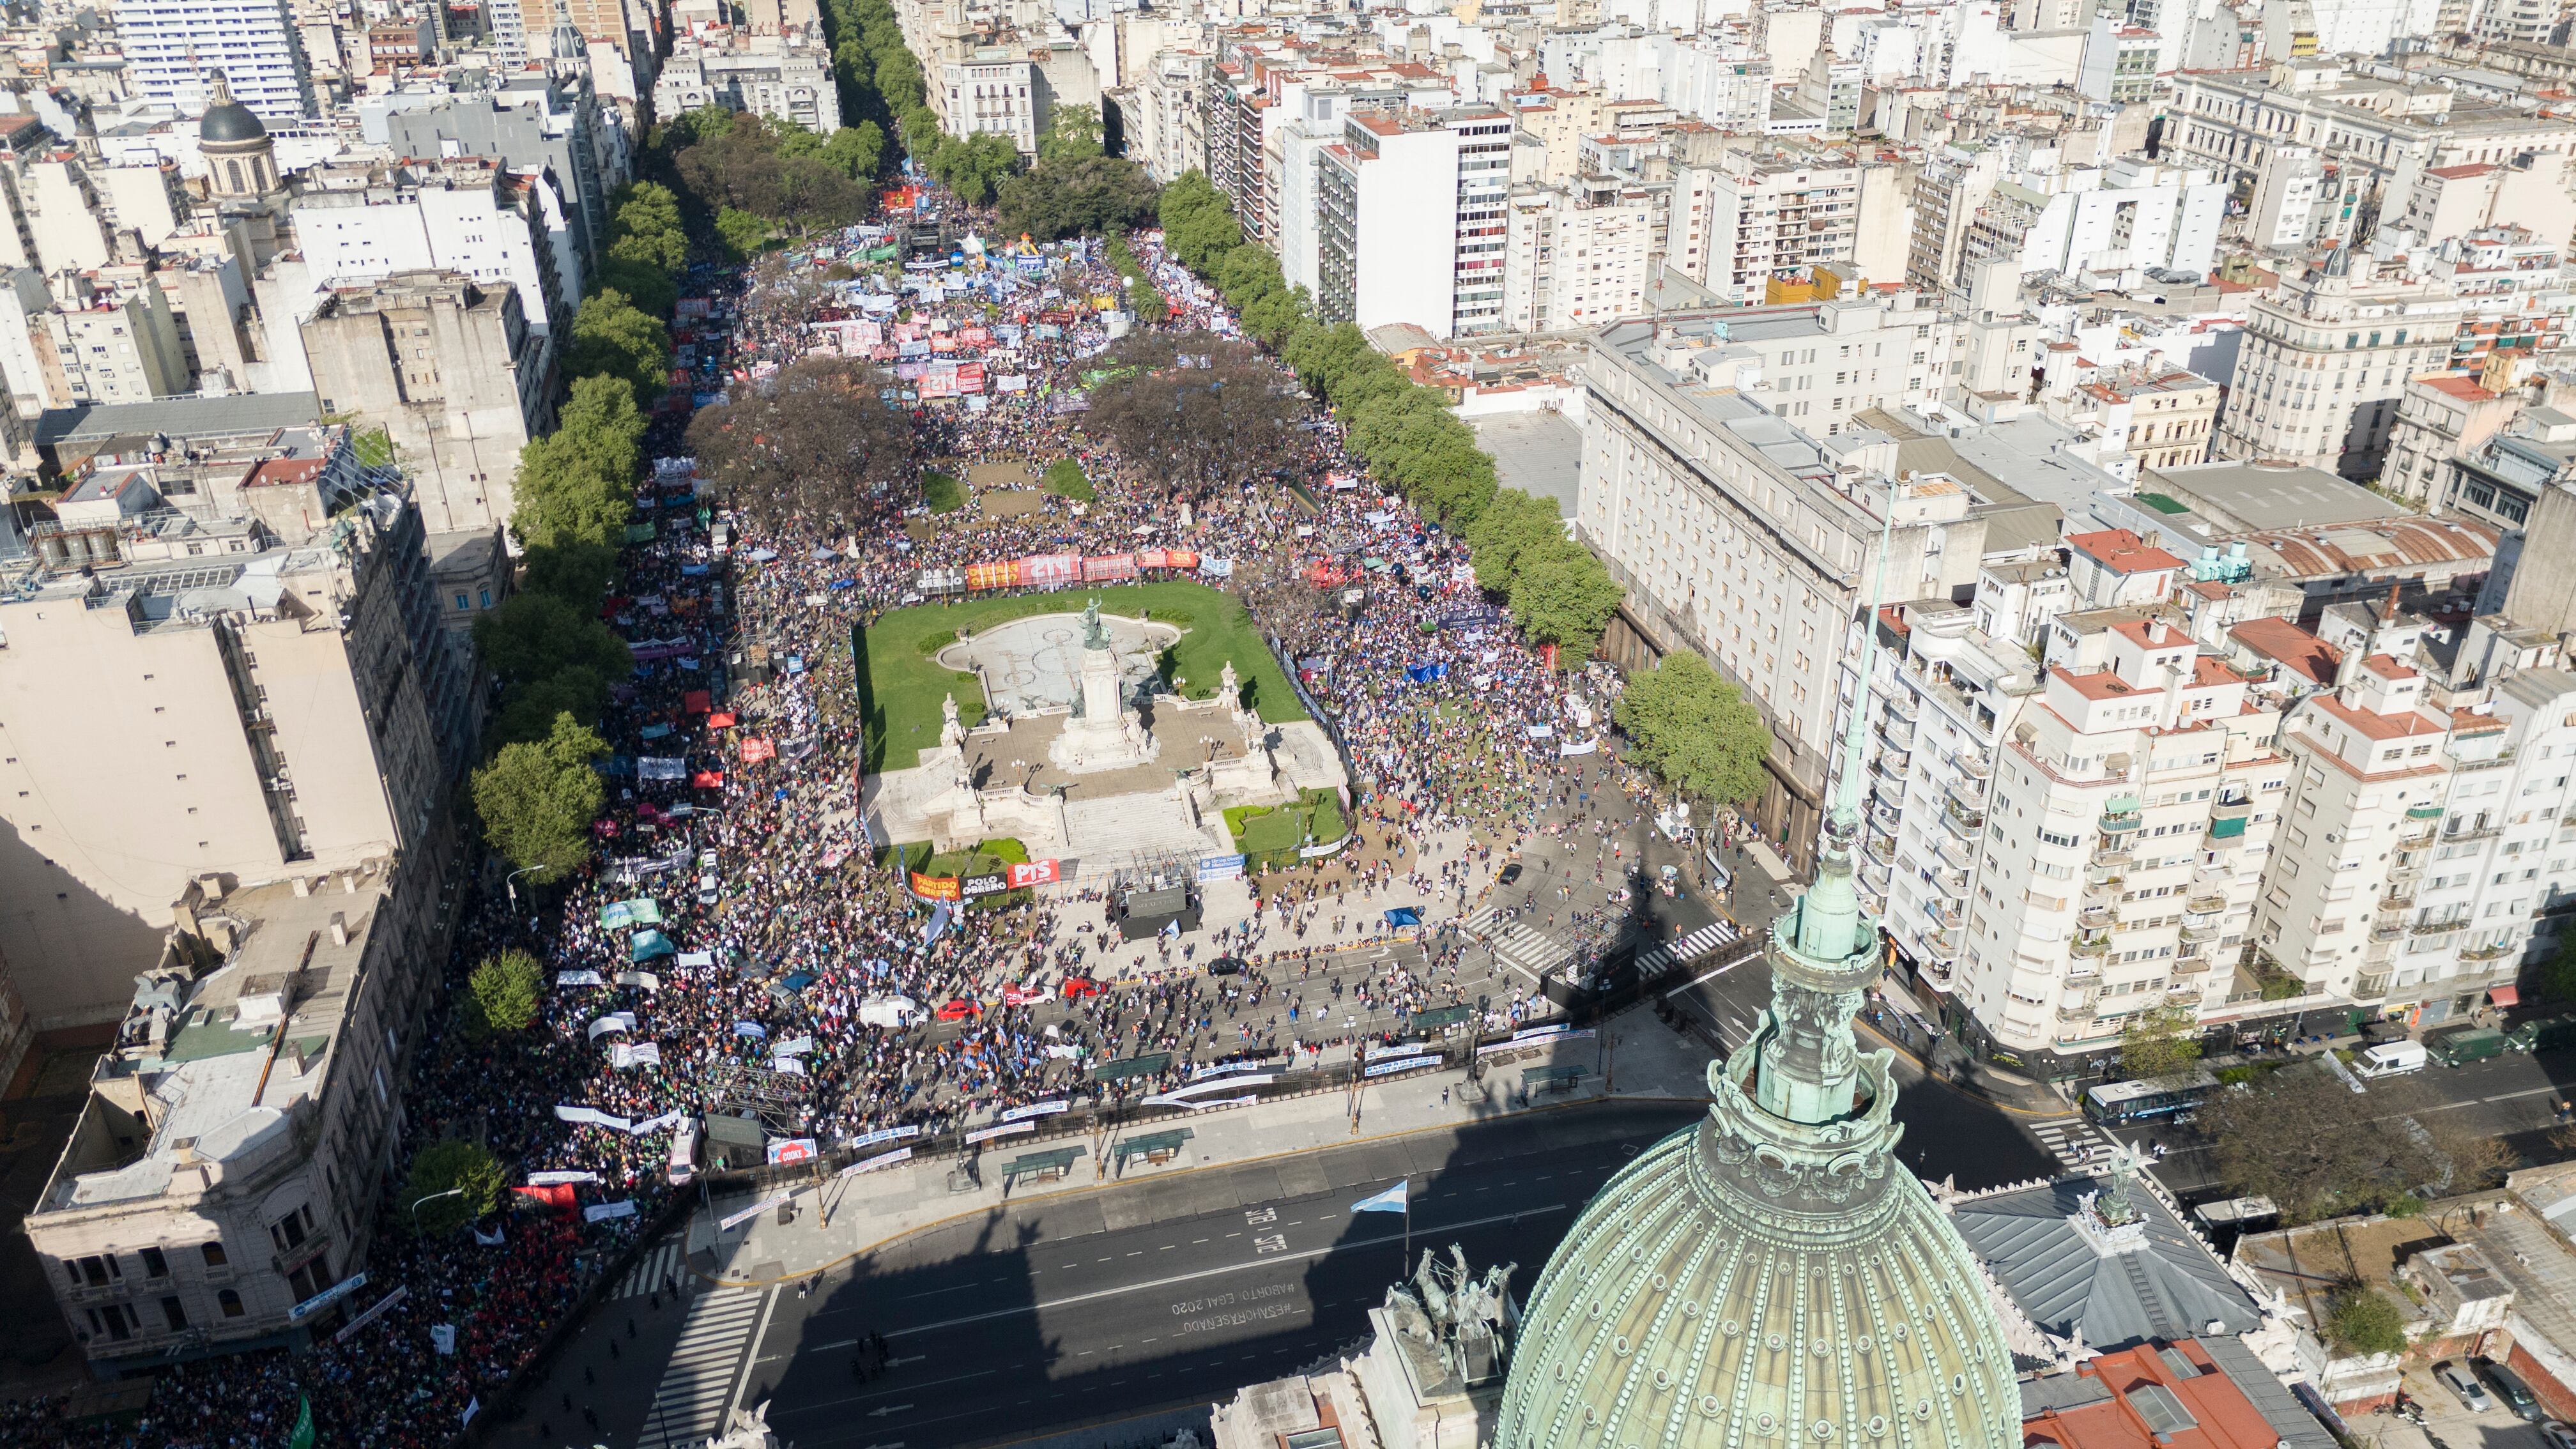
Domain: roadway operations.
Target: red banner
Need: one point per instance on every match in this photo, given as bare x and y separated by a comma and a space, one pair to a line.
1036, 872
708, 779
937, 887
1108, 568
721, 720
1054, 568
697, 701
993, 575
557, 1195
754, 751
970, 377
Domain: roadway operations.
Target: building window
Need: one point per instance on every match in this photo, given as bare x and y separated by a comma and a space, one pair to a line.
230, 1302
214, 1254
176, 1313
155, 1265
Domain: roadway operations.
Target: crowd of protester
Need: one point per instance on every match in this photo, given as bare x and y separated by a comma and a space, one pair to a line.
759, 985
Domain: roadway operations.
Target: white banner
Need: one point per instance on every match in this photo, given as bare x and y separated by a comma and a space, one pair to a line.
614, 1021
1400, 1064
690, 958
747, 1214
1200, 1074
1218, 1102
882, 1134
326, 1298
1036, 1109
640, 1054
987, 1134
787, 1066
1182, 1096
577, 978
1570, 748
373, 1312
794, 1046
600, 1212
579, 1115
442, 1336
882, 1159
656, 1124
644, 979
1311, 852
557, 1179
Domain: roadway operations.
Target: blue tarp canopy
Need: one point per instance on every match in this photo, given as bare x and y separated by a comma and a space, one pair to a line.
649, 944
1404, 916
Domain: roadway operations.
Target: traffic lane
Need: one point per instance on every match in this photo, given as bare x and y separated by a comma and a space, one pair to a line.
2515, 1102
1191, 1334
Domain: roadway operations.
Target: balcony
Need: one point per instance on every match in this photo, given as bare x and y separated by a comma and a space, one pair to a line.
2237, 809
2501, 757
2091, 945
1897, 732
2493, 951
2200, 934
1903, 706
1973, 765
1956, 852
2120, 822
2438, 928
1880, 851
1951, 882
1892, 762
2210, 904
1889, 791
2191, 966
2399, 897
1962, 823
2227, 834
2096, 918
2465, 835
1947, 916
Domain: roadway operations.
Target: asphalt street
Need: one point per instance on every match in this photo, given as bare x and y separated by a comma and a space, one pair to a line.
2512, 1096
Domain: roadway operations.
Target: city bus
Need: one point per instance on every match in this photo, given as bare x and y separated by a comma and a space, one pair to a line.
2113, 1104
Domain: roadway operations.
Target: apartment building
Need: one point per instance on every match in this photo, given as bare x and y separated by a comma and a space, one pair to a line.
1412, 225
2132, 812
113, 340
177, 50
220, 1184
472, 216
186, 699
2448, 416
452, 370
2114, 221
2378, 136
2369, 766
1167, 119
990, 90
2160, 417
1741, 538
1754, 209
528, 122
782, 76
1943, 695
1578, 255
2324, 360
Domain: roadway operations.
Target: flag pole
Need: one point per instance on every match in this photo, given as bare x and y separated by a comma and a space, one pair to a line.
1407, 1265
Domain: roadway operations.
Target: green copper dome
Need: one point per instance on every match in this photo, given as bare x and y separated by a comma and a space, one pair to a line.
1772, 1278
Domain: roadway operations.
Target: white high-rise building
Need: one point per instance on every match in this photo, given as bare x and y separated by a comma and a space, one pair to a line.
1411, 221
174, 48
1577, 255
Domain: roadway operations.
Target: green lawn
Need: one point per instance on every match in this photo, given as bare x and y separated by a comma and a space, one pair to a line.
1275, 832
902, 687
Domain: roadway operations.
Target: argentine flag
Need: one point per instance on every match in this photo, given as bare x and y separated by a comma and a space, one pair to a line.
1389, 1201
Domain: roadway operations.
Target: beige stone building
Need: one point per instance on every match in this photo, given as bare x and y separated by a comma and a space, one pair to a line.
2324, 362
221, 1180
181, 700
451, 370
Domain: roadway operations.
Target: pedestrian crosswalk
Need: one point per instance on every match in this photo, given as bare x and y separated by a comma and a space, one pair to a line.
659, 1268
1517, 946
1689, 948
2076, 1143
698, 1385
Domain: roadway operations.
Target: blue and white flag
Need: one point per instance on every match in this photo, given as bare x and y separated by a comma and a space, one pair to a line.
1389, 1201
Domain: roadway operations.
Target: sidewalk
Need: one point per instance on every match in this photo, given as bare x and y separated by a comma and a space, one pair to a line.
1647, 1061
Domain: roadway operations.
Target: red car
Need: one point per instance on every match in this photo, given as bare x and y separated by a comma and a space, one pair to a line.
1078, 987
961, 1010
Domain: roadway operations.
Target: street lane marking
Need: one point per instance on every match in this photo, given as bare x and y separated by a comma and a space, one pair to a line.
1099, 1293
881, 1393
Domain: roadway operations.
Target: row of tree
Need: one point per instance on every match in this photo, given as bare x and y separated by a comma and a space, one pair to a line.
1411, 438
556, 660
759, 177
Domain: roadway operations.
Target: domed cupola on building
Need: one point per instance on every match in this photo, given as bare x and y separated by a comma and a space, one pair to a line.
241, 160
1772, 1278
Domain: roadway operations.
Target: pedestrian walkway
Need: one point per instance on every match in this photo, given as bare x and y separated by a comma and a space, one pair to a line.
698, 1385
660, 1266
2075, 1142
1516, 946
1689, 948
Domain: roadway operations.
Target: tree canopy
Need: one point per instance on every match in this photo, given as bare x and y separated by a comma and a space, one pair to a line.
1076, 197
613, 337
452, 1183
775, 172
506, 989
814, 443
1221, 423
2316, 1148
537, 799
2164, 1042
1695, 729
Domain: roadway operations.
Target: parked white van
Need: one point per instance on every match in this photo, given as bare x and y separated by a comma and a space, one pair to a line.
684, 1151
2392, 1059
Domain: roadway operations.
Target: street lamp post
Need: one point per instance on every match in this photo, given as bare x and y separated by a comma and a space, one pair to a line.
432, 1197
